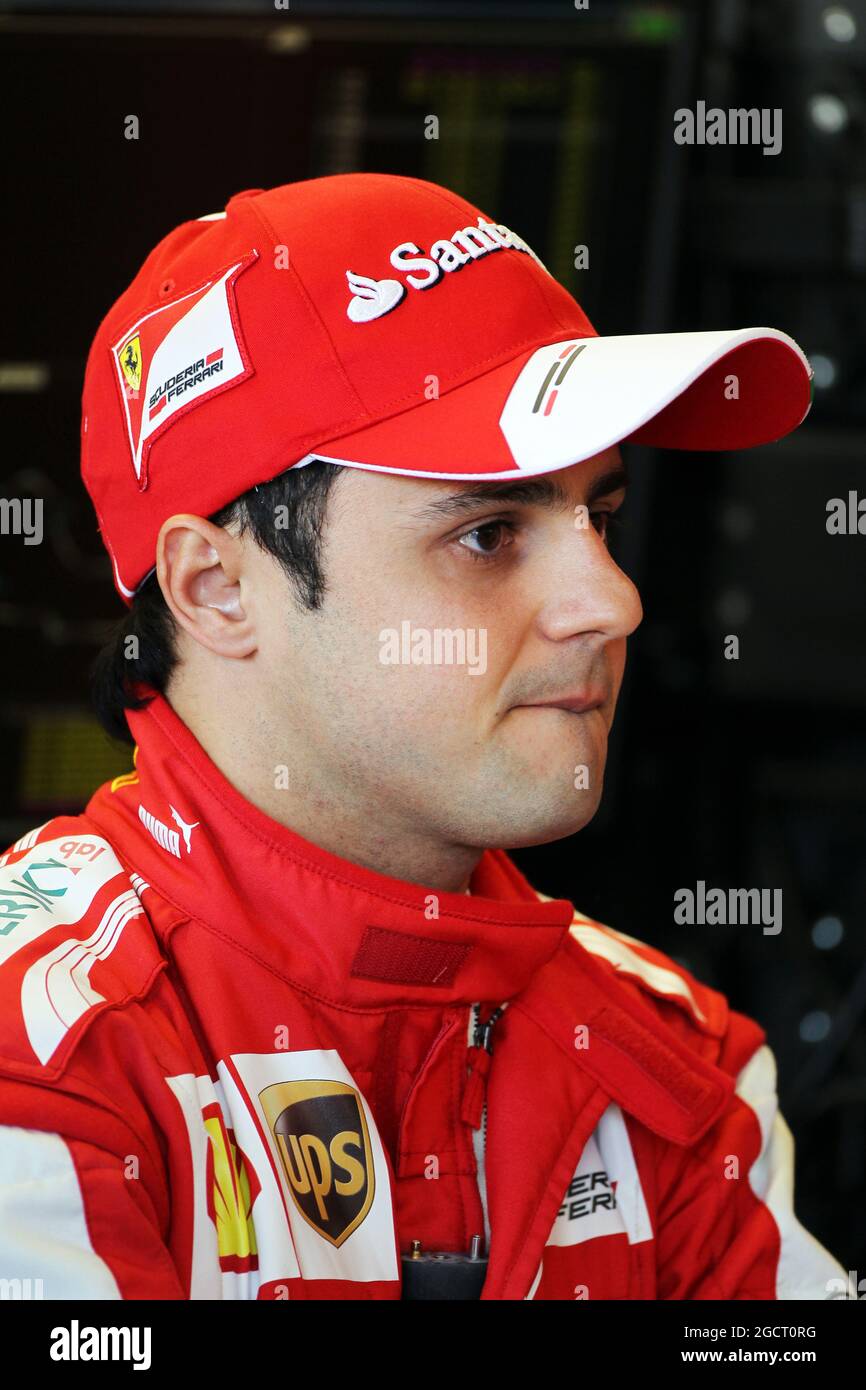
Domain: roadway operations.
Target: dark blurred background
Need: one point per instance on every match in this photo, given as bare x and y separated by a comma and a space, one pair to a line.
558, 122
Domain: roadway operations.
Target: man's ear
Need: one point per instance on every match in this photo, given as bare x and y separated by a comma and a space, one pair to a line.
200, 571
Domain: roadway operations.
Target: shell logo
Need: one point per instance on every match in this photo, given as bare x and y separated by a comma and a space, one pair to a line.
232, 1188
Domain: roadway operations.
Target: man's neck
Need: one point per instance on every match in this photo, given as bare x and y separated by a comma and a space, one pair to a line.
380, 838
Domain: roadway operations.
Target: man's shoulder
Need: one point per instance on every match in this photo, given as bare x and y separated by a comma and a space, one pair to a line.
74, 939
680, 1002
660, 978
667, 1046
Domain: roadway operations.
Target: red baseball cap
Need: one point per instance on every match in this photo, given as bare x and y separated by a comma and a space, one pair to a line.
382, 322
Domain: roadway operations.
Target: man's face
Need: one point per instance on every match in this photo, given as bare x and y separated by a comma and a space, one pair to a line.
530, 608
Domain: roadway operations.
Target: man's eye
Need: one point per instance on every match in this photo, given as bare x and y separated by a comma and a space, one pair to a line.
606, 523
490, 538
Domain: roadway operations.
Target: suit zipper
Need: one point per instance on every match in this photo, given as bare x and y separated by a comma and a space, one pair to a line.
481, 1035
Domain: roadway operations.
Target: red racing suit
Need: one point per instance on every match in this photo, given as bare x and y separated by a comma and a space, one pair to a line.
233, 1065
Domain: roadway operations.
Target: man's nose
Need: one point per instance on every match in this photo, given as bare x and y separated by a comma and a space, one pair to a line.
587, 591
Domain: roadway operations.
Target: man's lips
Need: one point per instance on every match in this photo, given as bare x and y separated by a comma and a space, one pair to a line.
577, 704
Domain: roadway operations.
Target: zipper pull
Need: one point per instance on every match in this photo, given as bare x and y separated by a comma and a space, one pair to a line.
480, 1056
473, 1092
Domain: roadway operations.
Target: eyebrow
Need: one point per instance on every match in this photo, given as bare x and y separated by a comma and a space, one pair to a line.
544, 491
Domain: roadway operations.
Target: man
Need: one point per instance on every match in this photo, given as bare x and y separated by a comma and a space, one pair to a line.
281, 1018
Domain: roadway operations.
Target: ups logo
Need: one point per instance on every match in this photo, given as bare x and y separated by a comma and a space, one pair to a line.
321, 1133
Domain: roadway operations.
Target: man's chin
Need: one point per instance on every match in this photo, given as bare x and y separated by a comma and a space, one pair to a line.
539, 740
542, 826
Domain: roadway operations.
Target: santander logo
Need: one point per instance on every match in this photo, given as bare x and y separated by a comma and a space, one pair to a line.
373, 298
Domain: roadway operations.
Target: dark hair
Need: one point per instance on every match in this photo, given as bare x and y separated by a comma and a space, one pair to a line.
295, 542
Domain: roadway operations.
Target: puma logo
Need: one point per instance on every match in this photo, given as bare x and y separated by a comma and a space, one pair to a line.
185, 828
